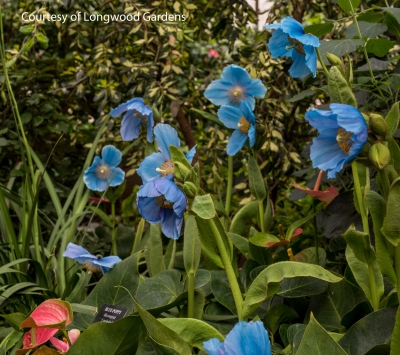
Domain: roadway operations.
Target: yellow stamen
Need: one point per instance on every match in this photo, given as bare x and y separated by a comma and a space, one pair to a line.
244, 125
344, 140
167, 168
297, 45
162, 201
102, 171
236, 93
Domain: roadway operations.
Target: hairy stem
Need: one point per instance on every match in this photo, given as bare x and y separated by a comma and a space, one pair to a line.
228, 191
190, 276
322, 62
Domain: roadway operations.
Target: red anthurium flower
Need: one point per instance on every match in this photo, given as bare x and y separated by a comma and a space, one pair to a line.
62, 345
34, 338
52, 313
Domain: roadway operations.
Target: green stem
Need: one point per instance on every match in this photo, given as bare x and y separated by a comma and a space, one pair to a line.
172, 260
316, 241
372, 283
67, 337
397, 268
357, 188
228, 192
138, 237
230, 273
322, 62
261, 212
385, 183
114, 231
190, 276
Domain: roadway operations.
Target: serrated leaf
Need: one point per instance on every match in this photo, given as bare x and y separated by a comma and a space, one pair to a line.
393, 11
379, 46
347, 7
368, 29
339, 47
392, 118
319, 29
302, 95
339, 88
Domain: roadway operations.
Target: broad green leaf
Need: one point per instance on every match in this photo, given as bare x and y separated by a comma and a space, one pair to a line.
377, 208
102, 215
393, 11
10, 341
203, 207
360, 272
391, 224
297, 224
27, 29
275, 273
392, 24
264, 239
208, 116
370, 331
309, 256
339, 89
339, 47
193, 331
222, 290
256, 182
394, 153
319, 29
317, 341
395, 343
178, 156
359, 242
392, 118
242, 217
379, 46
241, 243
14, 319
303, 94
301, 287
278, 314
121, 337
162, 334
109, 289
349, 6
154, 250
191, 246
368, 30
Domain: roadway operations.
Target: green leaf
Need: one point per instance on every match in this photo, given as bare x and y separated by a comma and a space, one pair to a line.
320, 29
349, 5
114, 194
108, 290
393, 11
256, 182
42, 39
154, 250
208, 116
14, 319
391, 224
339, 88
374, 329
317, 341
395, 343
339, 47
194, 332
297, 224
102, 215
302, 95
368, 30
241, 243
191, 246
203, 206
301, 287
27, 29
259, 289
162, 334
379, 46
392, 118
309, 256
278, 314
359, 242
178, 156
360, 272
222, 290
394, 153
242, 217
121, 337
377, 208
264, 239
208, 245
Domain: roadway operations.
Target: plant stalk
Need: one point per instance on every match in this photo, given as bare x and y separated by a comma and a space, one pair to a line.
190, 276
397, 268
372, 283
322, 62
357, 187
138, 236
114, 231
172, 260
228, 192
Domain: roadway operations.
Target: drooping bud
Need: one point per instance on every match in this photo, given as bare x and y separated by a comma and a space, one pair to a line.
379, 155
190, 189
378, 125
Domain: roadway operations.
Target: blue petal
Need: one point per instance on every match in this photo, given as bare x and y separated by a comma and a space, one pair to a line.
295, 30
149, 209
248, 339
172, 194
190, 154
322, 119
229, 116
311, 59
236, 142
108, 261
130, 127
252, 136
171, 224
248, 113
214, 347
90, 179
117, 177
278, 43
148, 190
140, 107
166, 136
249, 100
75, 251
273, 26
299, 69
217, 92
147, 168
236, 75
150, 125
349, 118
256, 88
111, 155
122, 108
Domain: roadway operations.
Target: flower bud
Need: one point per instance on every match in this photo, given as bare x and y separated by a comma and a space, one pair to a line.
190, 189
378, 125
334, 60
379, 155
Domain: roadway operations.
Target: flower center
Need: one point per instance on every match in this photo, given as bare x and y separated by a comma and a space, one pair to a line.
297, 45
102, 171
344, 140
236, 93
167, 168
90, 266
139, 115
244, 125
162, 201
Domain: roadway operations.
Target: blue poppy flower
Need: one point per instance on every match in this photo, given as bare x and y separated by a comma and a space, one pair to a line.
342, 135
89, 261
234, 87
159, 164
136, 112
162, 201
289, 40
104, 172
244, 339
242, 120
